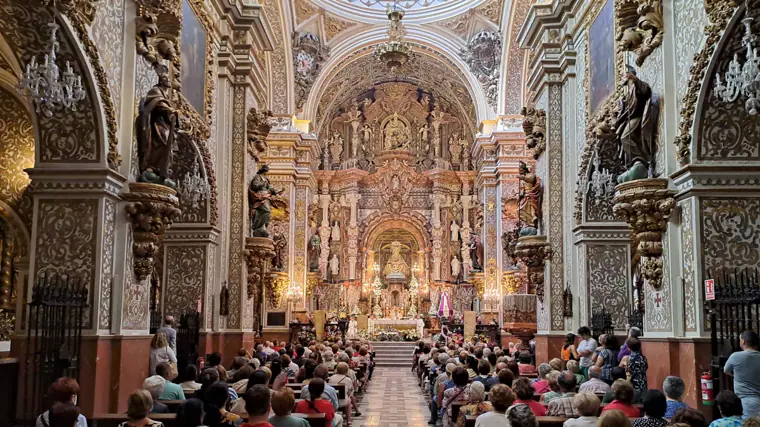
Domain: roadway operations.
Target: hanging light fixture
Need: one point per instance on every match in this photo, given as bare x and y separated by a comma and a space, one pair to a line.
43, 83
743, 79
602, 181
194, 187
395, 52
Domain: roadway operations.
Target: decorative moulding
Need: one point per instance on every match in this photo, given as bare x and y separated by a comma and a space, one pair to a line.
646, 205
534, 251
640, 26
534, 126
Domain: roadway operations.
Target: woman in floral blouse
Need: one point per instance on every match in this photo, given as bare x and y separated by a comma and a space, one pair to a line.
477, 405
636, 365
459, 393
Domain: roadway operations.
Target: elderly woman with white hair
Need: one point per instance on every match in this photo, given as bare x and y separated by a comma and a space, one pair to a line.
439, 386
476, 406
328, 361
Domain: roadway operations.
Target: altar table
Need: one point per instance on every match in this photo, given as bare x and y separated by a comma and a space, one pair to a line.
381, 324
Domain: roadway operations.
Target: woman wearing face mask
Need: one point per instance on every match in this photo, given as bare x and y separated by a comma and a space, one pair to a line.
63, 390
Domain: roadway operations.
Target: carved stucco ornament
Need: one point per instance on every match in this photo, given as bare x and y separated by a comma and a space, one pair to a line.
646, 205
534, 126
534, 251
258, 255
152, 209
257, 129
309, 55
640, 26
483, 55
719, 13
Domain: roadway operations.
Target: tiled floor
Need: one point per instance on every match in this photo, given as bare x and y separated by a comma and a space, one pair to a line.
393, 400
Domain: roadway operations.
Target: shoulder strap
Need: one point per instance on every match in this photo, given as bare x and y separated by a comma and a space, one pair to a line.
44, 421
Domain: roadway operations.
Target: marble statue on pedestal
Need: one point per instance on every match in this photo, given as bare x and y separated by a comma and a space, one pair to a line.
529, 200
456, 267
335, 234
156, 129
635, 128
454, 231
334, 265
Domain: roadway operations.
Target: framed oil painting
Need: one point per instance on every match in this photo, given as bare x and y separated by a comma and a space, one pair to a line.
601, 45
193, 45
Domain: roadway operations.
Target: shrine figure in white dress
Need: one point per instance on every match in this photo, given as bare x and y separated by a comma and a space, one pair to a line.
352, 333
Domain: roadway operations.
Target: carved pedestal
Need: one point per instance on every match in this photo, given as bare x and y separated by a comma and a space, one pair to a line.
533, 251
646, 204
151, 208
520, 317
258, 260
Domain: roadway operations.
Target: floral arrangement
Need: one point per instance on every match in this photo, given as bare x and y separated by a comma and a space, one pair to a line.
480, 338
387, 335
457, 338
306, 334
333, 334
411, 335
365, 335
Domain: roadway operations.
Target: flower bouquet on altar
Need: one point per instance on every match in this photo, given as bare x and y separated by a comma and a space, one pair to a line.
306, 335
411, 335
365, 335
457, 338
333, 334
480, 338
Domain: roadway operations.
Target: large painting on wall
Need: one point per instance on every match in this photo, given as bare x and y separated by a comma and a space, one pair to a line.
193, 54
602, 56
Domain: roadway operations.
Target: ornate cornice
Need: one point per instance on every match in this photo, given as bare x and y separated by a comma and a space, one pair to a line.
56, 180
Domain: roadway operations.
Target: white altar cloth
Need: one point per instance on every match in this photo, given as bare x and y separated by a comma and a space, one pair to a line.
380, 324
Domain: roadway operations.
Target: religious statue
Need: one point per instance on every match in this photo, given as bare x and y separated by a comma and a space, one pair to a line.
454, 148
355, 119
261, 194
367, 132
635, 128
335, 234
456, 267
423, 132
334, 265
336, 147
280, 247
396, 265
314, 247
465, 154
156, 128
476, 252
420, 326
529, 201
396, 134
454, 231
437, 116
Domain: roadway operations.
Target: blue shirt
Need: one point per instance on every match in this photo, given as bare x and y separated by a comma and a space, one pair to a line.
745, 367
672, 407
735, 421
172, 392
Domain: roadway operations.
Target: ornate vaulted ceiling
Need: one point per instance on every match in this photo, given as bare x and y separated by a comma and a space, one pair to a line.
427, 70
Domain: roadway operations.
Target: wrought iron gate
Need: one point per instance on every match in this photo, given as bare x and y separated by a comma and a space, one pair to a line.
601, 323
188, 338
734, 310
54, 337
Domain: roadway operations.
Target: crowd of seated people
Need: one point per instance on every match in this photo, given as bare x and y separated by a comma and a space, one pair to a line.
474, 384
259, 388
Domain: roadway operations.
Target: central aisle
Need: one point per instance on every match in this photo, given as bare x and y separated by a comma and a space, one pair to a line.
393, 400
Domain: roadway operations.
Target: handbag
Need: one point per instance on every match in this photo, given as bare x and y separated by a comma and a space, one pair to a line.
173, 366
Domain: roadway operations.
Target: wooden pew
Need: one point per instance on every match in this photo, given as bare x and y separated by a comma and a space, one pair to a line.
542, 421
113, 420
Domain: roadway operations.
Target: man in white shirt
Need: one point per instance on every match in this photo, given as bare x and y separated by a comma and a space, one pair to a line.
594, 384
585, 349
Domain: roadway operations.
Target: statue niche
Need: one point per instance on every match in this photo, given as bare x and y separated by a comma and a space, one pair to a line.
396, 134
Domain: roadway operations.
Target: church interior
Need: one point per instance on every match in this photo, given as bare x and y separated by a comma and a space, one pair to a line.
492, 173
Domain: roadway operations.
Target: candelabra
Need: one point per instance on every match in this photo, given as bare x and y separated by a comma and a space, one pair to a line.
602, 181
43, 84
194, 187
743, 79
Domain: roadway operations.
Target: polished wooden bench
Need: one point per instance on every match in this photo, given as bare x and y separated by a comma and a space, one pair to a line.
542, 421
113, 420
339, 388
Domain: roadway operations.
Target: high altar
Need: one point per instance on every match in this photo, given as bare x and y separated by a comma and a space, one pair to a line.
397, 221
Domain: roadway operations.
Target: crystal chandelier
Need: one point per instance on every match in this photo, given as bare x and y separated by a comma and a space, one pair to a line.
43, 84
743, 79
602, 181
395, 52
194, 187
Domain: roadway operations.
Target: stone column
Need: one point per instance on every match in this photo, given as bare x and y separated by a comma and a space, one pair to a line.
352, 199
437, 234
